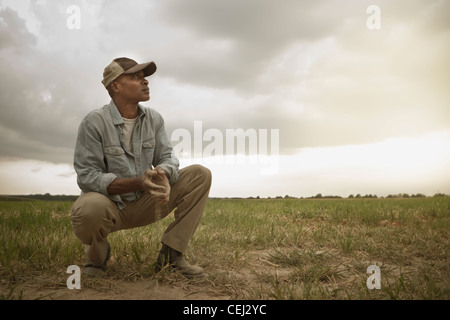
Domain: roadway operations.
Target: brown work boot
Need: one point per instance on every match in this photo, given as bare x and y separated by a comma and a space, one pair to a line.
176, 260
96, 271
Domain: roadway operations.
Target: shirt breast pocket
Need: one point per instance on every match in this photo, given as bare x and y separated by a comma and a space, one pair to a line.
148, 151
116, 160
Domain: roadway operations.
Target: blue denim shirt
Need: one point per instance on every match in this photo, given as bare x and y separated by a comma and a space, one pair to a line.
101, 155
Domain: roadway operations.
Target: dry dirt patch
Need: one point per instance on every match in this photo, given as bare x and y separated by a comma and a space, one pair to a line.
174, 287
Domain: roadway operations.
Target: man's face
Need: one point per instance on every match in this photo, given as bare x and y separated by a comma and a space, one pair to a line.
133, 87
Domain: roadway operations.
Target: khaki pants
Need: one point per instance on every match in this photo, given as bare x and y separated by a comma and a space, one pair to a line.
94, 215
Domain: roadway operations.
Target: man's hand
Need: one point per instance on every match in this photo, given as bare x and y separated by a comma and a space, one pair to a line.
157, 184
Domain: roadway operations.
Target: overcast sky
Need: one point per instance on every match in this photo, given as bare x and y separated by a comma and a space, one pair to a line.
357, 109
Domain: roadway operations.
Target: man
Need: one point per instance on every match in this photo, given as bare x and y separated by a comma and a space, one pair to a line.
129, 176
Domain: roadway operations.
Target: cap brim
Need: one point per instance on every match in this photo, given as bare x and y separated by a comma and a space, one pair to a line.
149, 68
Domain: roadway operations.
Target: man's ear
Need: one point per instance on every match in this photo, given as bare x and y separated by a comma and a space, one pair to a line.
114, 86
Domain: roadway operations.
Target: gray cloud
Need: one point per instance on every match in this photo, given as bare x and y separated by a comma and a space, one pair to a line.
367, 86
13, 32
46, 90
231, 43
308, 68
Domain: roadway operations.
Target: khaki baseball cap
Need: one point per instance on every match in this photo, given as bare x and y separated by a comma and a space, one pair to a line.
124, 65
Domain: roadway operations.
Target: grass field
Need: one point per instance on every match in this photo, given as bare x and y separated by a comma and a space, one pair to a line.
250, 249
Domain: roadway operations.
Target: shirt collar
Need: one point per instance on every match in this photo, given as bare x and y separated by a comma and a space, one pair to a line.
117, 117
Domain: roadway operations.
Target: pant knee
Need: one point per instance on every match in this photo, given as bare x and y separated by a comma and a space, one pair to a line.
90, 217
202, 173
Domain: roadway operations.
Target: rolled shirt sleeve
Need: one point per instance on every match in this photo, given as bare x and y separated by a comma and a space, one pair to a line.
105, 180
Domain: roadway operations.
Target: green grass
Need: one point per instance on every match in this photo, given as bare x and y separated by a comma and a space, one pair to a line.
251, 248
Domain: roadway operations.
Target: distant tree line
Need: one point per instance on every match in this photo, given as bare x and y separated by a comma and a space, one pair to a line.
49, 197
44, 197
358, 196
